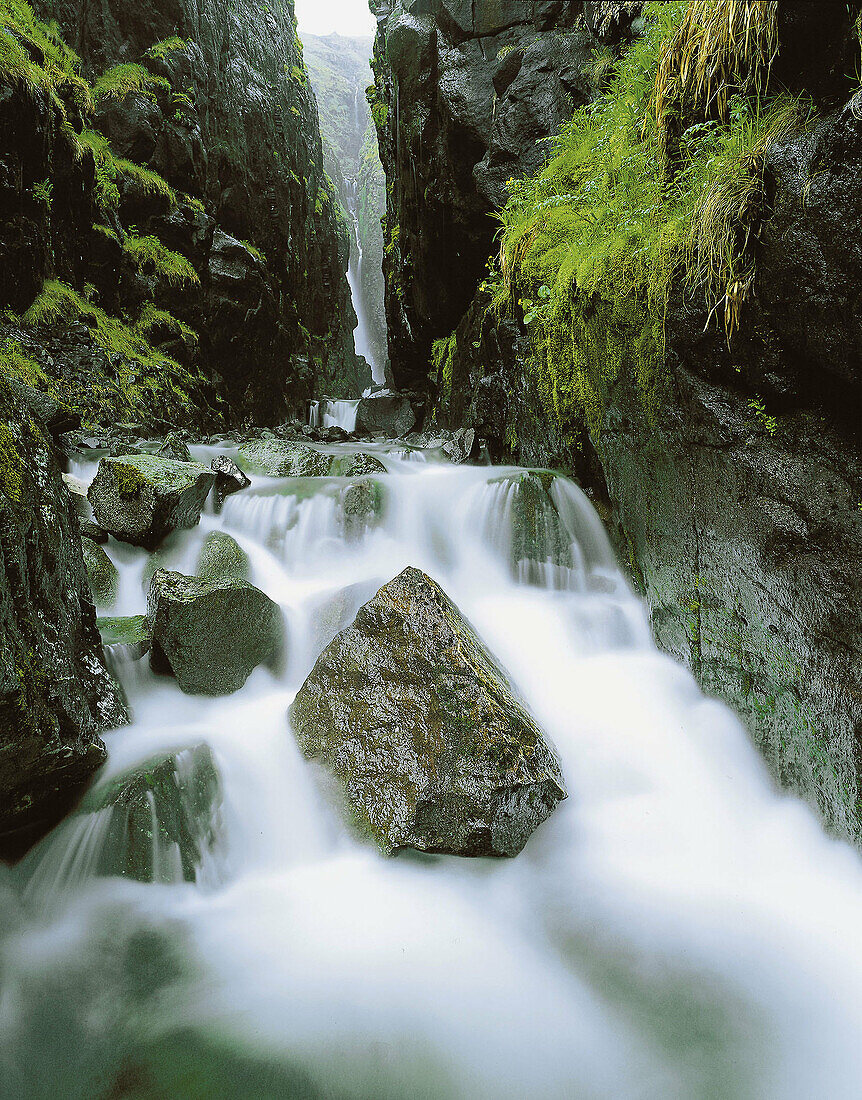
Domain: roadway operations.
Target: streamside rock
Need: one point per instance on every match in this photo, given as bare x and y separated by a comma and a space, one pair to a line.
128, 635
142, 498
277, 458
56, 693
229, 479
385, 413
102, 573
422, 727
163, 817
211, 634
222, 558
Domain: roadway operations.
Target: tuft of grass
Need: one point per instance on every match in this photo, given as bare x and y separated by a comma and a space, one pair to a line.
111, 169
148, 181
152, 319
122, 80
255, 251
34, 56
149, 254
14, 363
167, 45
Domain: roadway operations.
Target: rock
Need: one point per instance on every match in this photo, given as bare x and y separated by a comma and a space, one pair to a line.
421, 726
229, 479
462, 445
222, 558
94, 533
56, 694
102, 573
78, 492
129, 635
165, 817
385, 412
56, 416
211, 635
174, 446
278, 458
142, 498
361, 506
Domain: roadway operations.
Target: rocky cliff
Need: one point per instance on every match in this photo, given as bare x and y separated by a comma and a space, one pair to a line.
671, 316
167, 192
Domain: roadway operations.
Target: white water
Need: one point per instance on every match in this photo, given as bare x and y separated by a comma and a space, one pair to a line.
676, 929
328, 414
361, 334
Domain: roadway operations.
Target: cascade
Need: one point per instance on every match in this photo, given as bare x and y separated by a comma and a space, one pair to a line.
677, 928
361, 334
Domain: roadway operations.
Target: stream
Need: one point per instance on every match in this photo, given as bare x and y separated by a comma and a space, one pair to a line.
677, 928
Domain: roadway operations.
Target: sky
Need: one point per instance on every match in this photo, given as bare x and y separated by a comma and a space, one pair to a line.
347, 17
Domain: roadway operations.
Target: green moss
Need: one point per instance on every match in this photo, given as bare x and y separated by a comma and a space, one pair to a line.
15, 364
256, 252
122, 80
11, 476
168, 45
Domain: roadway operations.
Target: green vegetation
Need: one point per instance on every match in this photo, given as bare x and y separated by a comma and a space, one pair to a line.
34, 56
14, 363
442, 360
149, 254
255, 251
168, 45
122, 80
659, 181
111, 169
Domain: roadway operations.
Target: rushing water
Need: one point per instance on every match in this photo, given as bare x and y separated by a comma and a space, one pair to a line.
675, 929
361, 334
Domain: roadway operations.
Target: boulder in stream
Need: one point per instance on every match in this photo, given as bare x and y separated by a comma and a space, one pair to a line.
229, 479
431, 744
142, 498
280, 458
102, 573
211, 634
385, 413
222, 558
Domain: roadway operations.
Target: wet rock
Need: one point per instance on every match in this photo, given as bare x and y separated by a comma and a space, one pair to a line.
229, 479
78, 492
102, 573
129, 635
386, 413
362, 505
173, 446
277, 458
222, 558
462, 446
94, 532
162, 817
56, 416
142, 498
56, 694
432, 746
211, 635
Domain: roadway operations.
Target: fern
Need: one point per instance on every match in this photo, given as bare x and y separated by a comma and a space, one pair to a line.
123, 80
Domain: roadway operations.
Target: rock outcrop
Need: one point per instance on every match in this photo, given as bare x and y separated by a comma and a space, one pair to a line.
211, 634
140, 498
422, 728
385, 413
56, 694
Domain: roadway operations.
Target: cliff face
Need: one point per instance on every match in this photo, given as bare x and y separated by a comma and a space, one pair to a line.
735, 491
224, 116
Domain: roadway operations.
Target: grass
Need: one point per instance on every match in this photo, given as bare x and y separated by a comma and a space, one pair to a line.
122, 80
168, 45
592, 246
149, 254
111, 170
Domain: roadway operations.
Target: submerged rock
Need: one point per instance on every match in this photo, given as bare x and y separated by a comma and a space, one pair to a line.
420, 724
211, 634
229, 479
160, 819
222, 558
278, 458
102, 573
142, 498
129, 634
385, 413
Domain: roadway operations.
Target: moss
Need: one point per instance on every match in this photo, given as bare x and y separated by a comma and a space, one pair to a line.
168, 45
15, 364
11, 475
255, 251
122, 80
149, 254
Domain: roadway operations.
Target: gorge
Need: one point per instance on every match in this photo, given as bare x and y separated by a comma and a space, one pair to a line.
431, 649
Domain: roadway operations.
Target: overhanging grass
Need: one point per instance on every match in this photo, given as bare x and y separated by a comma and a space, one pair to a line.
122, 80
591, 246
149, 254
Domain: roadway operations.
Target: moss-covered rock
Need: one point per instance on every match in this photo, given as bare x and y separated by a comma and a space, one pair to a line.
276, 458
130, 633
361, 506
211, 635
102, 573
142, 498
432, 746
163, 817
222, 558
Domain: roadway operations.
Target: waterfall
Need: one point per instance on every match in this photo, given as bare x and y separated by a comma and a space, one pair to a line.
677, 928
361, 334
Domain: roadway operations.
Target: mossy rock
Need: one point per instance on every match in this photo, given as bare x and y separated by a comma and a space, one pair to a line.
142, 498
433, 748
164, 817
222, 558
101, 572
361, 506
276, 458
129, 633
211, 635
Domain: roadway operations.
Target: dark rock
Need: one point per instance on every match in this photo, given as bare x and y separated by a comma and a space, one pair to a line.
94, 533
229, 479
423, 729
211, 635
165, 818
102, 573
55, 415
385, 413
462, 446
142, 498
173, 446
56, 694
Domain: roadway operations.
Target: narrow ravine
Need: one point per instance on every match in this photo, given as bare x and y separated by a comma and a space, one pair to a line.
675, 929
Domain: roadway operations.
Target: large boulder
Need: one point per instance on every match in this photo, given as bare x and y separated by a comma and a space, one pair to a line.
142, 498
211, 634
56, 694
278, 458
385, 413
421, 725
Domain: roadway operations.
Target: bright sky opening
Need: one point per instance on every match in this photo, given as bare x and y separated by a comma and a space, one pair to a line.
350, 18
